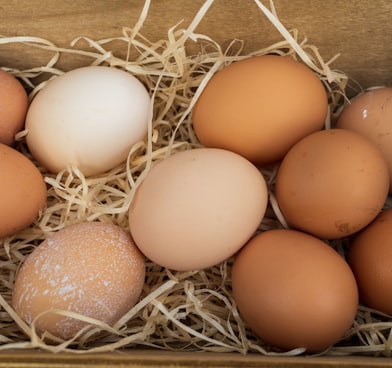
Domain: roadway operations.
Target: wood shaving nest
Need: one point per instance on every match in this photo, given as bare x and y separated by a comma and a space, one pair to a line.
181, 310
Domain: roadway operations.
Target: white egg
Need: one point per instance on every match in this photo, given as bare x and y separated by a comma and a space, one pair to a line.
89, 118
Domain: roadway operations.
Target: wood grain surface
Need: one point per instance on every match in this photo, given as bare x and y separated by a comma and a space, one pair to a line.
358, 30
159, 359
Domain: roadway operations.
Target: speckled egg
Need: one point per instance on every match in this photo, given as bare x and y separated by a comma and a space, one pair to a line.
92, 269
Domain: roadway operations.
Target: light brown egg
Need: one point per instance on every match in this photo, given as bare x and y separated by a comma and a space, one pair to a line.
293, 290
13, 107
370, 114
259, 107
332, 183
93, 269
197, 208
23, 191
370, 257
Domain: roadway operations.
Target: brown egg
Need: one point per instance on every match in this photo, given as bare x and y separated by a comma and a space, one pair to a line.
23, 191
332, 183
293, 290
259, 107
93, 269
370, 114
13, 107
370, 257
197, 208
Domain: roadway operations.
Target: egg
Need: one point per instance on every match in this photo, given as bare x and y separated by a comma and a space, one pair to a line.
332, 183
370, 114
89, 118
259, 107
294, 291
196, 208
91, 268
13, 107
23, 191
370, 257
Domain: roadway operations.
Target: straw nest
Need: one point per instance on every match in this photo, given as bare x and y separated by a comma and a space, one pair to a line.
177, 310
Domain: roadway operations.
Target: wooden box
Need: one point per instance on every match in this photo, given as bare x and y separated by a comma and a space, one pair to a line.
358, 30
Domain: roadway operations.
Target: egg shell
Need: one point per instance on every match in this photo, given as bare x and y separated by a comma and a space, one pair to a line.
197, 208
294, 290
370, 114
89, 117
13, 107
91, 268
23, 191
332, 183
370, 257
259, 107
